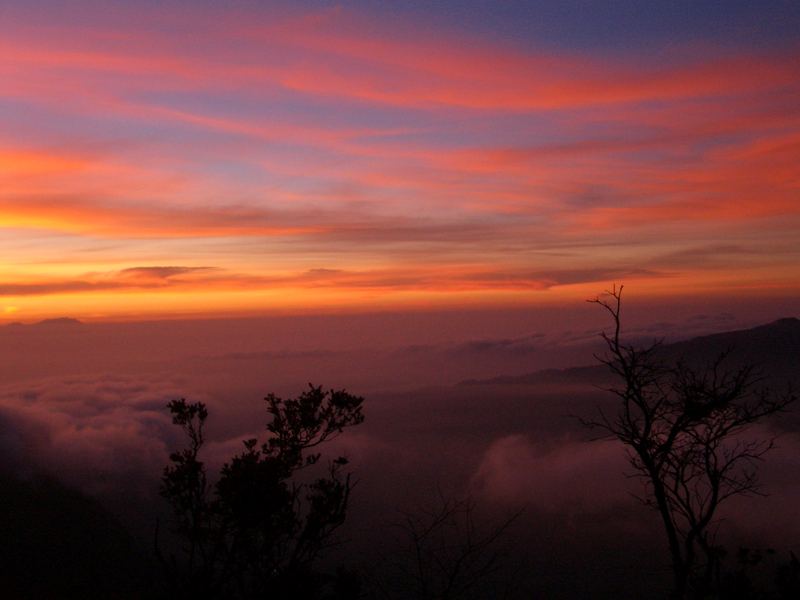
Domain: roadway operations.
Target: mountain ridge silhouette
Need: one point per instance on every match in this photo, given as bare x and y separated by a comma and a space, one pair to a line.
773, 349
55, 322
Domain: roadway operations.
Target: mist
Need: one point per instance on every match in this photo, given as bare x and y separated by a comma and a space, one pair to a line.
455, 407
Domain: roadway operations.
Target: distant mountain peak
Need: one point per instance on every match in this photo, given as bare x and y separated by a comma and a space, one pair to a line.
56, 322
60, 321
786, 326
790, 321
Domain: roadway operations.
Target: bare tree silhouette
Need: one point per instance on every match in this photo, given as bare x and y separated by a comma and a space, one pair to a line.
684, 429
259, 529
445, 552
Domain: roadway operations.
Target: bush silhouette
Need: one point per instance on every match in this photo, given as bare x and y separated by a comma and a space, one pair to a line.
259, 529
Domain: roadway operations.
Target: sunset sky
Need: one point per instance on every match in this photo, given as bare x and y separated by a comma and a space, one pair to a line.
162, 159
411, 200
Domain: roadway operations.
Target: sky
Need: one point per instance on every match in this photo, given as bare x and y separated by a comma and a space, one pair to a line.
173, 159
397, 198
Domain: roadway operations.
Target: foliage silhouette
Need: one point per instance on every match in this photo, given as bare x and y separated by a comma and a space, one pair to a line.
684, 431
762, 574
259, 529
445, 552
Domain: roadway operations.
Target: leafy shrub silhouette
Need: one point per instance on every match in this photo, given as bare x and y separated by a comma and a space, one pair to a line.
259, 529
762, 574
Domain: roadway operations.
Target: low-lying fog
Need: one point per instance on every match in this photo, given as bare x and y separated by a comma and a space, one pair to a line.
86, 404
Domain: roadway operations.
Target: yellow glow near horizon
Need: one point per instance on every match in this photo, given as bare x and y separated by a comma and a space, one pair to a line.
312, 165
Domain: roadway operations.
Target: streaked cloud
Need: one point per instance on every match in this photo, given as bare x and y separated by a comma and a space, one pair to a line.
394, 158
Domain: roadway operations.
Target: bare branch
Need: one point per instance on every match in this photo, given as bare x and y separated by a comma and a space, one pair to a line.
684, 428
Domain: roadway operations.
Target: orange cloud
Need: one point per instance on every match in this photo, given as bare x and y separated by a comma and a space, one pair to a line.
27, 163
457, 278
95, 218
409, 165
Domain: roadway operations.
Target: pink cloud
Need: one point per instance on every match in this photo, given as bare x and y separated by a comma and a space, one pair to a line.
101, 434
569, 474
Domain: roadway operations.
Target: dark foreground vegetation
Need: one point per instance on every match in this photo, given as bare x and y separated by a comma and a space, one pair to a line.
269, 522
686, 432
259, 529
58, 543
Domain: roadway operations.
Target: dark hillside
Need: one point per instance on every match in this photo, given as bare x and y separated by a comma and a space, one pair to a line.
57, 543
773, 349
